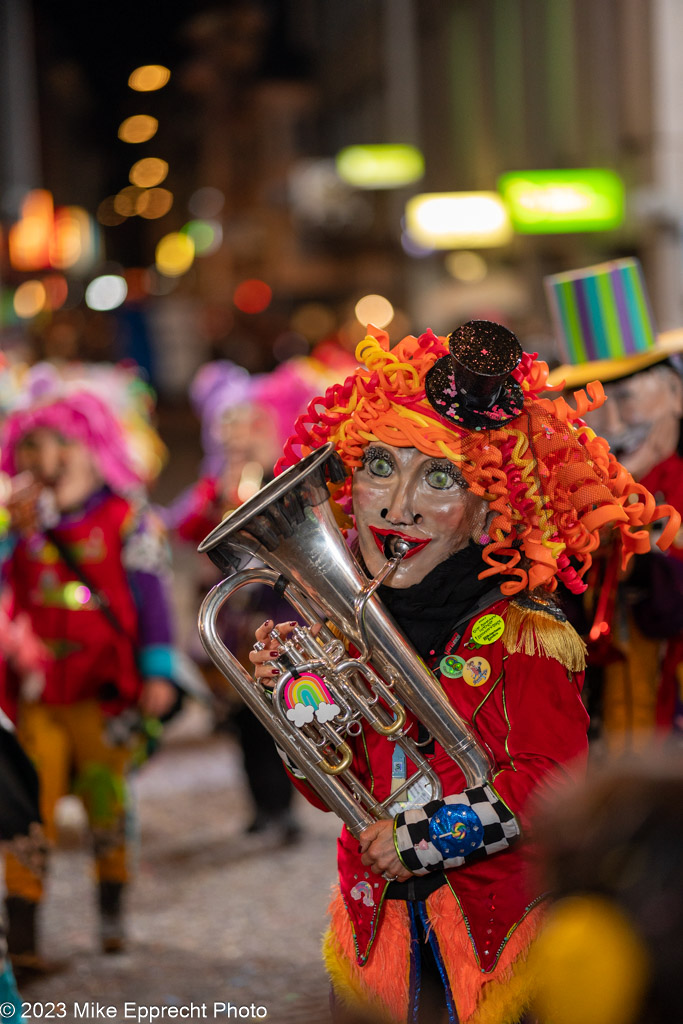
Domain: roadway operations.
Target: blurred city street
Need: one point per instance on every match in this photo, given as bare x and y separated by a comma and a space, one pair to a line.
215, 916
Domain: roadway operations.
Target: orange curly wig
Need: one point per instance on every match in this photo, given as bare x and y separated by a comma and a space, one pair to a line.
550, 481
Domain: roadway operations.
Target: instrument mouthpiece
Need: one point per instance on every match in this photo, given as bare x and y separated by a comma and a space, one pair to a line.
398, 548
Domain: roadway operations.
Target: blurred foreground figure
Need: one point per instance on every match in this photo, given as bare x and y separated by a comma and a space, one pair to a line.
611, 949
633, 620
85, 565
19, 817
478, 496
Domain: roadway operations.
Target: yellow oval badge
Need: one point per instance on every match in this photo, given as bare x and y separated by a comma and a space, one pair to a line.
488, 629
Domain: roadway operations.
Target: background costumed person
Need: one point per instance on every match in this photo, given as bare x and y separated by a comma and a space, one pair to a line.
633, 620
497, 493
246, 419
87, 565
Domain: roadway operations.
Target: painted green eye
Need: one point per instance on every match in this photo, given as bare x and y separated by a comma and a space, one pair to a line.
380, 465
440, 479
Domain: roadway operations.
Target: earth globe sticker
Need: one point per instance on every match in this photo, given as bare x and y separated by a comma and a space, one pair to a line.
452, 666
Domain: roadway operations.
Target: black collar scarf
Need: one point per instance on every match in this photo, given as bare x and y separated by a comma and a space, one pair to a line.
428, 611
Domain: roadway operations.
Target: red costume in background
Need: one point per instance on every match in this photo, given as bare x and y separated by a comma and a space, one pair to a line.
92, 660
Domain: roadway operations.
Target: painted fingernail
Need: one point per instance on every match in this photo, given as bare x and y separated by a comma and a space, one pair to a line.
275, 671
293, 623
266, 623
273, 654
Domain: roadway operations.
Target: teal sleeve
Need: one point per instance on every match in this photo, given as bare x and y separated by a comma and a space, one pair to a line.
158, 660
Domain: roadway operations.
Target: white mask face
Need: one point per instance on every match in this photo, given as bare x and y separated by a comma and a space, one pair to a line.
641, 418
402, 493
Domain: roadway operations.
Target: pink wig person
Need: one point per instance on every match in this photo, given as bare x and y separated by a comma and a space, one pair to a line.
80, 416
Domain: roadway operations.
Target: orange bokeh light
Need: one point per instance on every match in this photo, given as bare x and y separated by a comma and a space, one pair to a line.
29, 299
29, 239
149, 77
148, 172
71, 238
107, 213
125, 201
138, 128
153, 203
252, 296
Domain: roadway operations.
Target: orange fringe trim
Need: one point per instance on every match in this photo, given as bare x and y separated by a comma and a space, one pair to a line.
381, 989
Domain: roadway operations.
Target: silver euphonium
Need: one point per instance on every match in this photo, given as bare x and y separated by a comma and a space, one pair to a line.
322, 694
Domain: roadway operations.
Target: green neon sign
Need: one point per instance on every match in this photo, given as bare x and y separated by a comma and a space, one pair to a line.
550, 202
380, 165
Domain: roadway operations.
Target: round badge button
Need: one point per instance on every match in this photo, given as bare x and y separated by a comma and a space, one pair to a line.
488, 629
452, 666
476, 671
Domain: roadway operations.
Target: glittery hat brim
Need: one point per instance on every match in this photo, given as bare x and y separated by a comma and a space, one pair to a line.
450, 400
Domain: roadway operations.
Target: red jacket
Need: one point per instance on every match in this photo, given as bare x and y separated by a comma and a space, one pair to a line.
528, 715
91, 659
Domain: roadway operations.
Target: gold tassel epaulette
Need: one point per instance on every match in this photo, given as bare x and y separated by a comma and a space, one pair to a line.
535, 625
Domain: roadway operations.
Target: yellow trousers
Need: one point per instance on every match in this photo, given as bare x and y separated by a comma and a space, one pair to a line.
72, 754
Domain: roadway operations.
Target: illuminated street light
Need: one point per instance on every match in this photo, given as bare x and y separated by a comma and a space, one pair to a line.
29, 299
550, 202
174, 254
29, 238
252, 296
380, 165
149, 77
207, 235
153, 203
374, 309
73, 242
458, 220
148, 172
139, 128
106, 292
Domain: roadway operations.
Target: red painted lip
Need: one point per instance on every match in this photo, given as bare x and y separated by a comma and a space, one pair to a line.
381, 535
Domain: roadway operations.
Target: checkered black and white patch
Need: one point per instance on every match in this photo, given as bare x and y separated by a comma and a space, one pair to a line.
289, 764
462, 828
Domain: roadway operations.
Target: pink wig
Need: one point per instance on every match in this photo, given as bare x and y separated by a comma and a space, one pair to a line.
80, 416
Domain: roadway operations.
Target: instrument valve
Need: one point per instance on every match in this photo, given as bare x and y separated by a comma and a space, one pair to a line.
334, 650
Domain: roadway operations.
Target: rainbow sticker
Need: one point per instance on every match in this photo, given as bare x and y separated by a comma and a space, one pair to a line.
363, 890
306, 697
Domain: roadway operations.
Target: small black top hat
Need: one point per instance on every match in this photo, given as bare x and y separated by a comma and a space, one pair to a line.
472, 386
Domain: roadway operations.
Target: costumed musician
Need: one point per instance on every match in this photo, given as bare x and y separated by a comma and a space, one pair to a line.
495, 494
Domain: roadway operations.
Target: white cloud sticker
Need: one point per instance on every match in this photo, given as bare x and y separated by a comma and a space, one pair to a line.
326, 712
301, 714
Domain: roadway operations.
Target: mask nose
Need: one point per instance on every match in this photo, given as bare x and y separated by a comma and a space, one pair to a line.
400, 511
